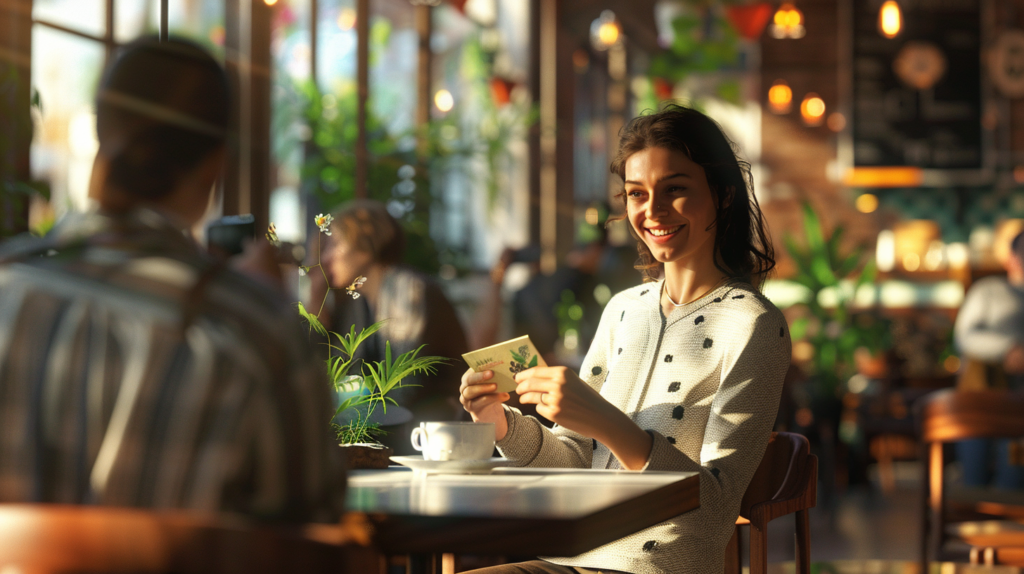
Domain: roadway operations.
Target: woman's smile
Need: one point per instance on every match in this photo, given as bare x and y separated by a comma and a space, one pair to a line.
662, 233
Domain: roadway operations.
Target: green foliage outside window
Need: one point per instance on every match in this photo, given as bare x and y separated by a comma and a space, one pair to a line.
477, 133
15, 192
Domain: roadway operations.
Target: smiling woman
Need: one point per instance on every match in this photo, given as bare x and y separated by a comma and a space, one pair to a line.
685, 370
701, 153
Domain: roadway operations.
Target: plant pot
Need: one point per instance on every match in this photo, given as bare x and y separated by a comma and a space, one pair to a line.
366, 455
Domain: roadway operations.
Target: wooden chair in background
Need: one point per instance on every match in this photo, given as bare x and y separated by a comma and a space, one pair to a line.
45, 539
950, 416
784, 483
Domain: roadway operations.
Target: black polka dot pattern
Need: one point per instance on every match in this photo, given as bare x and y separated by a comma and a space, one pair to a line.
674, 386
620, 350
677, 413
668, 358
670, 440
622, 316
718, 299
650, 545
644, 292
698, 320
708, 343
596, 371
739, 296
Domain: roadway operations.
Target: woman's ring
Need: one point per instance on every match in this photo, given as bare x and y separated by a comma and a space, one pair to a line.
542, 395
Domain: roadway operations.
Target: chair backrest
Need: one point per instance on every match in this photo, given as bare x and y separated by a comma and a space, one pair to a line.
40, 539
782, 472
950, 415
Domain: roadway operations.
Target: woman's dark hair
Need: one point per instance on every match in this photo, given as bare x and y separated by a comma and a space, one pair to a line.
367, 226
161, 108
743, 247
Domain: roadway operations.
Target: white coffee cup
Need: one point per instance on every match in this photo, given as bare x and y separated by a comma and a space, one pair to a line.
454, 440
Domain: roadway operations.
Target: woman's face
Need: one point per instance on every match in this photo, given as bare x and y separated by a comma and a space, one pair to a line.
670, 205
343, 262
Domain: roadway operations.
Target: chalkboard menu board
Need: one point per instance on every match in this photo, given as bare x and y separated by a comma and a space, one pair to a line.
917, 96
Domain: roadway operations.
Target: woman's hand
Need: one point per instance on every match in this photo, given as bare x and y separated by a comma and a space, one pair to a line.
482, 401
563, 398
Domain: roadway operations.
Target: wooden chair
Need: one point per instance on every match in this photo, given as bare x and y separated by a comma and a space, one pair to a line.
45, 539
784, 483
949, 416
995, 555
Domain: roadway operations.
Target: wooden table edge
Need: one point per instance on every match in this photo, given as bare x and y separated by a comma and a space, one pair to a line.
404, 533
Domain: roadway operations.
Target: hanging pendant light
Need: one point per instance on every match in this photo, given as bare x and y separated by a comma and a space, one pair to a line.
788, 22
812, 109
605, 31
780, 97
890, 19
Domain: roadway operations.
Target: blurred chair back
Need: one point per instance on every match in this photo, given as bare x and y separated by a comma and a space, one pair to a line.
784, 483
949, 416
44, 539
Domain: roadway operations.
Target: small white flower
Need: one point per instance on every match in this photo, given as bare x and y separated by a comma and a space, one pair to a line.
303, 271
272, 235
324, 222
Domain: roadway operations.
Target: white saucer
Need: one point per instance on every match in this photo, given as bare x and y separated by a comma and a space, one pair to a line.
417, 463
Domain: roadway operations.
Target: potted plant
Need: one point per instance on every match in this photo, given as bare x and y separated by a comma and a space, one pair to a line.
835, 331
360, 395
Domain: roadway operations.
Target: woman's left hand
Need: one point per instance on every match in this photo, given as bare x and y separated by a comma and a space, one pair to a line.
563, 398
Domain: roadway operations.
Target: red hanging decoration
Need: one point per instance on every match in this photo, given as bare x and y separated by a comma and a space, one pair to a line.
459, 5
750, 20
501, 89
662, 89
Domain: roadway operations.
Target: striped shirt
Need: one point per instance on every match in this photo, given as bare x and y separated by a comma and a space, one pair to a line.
135, 371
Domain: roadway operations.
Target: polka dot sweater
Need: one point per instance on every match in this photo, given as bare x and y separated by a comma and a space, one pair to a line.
705, 383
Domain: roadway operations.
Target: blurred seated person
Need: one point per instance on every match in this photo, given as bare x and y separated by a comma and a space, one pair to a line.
366, 241
989, 332
588, 268
136, 370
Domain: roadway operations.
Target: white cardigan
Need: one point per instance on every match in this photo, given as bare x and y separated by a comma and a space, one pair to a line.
705, 383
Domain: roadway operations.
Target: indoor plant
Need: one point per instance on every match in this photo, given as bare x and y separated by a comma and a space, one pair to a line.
360, 395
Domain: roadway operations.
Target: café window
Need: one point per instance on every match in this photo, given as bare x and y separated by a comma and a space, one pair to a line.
71, 40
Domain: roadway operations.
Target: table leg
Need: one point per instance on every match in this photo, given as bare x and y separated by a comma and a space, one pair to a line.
427, 564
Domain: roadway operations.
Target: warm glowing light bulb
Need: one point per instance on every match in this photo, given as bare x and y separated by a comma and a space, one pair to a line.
794, 18
270, 2
347, 19
867, 203
608, 33
812, 109
444, 101
890, 20
780, 96
788, 22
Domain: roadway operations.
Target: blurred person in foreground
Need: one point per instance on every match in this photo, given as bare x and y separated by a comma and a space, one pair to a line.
989, 332
366, 241
685, 371
135, 370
